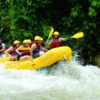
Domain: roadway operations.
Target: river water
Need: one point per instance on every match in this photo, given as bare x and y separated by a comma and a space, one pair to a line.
64, 81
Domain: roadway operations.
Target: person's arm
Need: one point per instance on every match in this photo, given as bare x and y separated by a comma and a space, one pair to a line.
62, 39
8, 50
17, 50
31, 50
2, 50
50, 42
43, 48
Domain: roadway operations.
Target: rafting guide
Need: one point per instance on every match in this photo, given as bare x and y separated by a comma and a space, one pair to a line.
56, 40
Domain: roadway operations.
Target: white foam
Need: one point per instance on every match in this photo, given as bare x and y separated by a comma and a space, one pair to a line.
64, 81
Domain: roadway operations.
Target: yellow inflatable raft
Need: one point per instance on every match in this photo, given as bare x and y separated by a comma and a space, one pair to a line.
49, 58
5, 59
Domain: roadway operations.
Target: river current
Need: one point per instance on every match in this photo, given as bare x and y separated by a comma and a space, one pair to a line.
63, 81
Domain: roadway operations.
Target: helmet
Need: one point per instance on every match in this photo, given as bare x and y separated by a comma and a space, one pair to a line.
38, 38
25, 41
41, 39
15, 42
29, 41
56, 33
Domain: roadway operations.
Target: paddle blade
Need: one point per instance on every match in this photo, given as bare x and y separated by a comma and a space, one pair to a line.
51, 32
78, 35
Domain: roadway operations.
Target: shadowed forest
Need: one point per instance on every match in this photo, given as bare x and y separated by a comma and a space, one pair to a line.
21, 19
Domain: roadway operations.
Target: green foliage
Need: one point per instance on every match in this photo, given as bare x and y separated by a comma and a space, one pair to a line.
91, 12
20, 19
75, 11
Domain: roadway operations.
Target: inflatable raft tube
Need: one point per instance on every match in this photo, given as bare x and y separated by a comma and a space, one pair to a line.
5, 59
49, 58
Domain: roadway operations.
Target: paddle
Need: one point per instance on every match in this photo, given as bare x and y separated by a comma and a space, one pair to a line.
78, 35
50, 35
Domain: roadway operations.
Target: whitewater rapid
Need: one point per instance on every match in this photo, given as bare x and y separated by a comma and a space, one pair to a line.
64, 81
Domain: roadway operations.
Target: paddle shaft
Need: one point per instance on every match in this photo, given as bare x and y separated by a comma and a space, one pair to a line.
49, 37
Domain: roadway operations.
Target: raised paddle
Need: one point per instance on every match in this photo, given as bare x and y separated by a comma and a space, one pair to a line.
50, 35
78, 35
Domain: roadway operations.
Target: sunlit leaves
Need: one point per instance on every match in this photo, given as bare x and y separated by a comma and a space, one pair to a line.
91, 12
95, 3
75, 11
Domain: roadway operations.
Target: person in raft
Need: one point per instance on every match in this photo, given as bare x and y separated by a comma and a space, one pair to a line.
56, 40
37, 48
24, 50
2, 49
11, 51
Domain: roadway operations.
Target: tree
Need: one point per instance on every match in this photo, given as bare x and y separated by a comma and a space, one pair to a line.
22, 19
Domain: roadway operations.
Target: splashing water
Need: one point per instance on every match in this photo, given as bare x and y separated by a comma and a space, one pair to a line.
64, 81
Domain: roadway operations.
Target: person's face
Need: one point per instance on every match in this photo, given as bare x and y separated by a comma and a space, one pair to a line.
29, 44
18, 44
39, 42
26, 44
56, 36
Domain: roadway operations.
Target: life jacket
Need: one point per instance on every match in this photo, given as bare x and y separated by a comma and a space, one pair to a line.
37, 49
13, 53
55, 43
24, 51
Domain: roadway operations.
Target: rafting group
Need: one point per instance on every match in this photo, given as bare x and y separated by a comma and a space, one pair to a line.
30, 49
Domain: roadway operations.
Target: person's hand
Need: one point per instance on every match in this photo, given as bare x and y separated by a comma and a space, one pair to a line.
31, 58
20, 53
